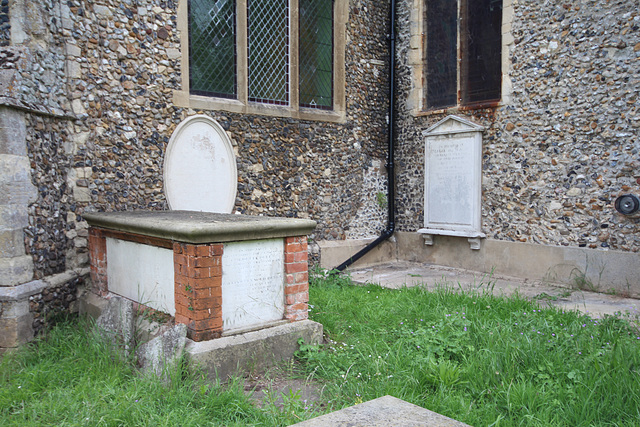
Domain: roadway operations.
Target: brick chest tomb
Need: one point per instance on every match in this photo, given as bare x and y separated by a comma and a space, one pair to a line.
220, 274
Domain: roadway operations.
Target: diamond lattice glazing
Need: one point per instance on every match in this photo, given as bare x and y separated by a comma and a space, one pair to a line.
268, 51
212, 47
316, 53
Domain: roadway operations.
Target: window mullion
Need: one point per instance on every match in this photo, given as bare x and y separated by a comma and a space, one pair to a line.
241, 13
294, 55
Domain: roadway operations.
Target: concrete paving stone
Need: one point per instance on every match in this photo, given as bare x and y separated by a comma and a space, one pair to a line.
382, 412
398, 274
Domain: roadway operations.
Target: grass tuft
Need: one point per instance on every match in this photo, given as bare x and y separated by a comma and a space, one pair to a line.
72, 376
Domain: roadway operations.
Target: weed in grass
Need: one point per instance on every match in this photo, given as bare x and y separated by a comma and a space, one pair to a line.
545, 296
581, 281
565, 294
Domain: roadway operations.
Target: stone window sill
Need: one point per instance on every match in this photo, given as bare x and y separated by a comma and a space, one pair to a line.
198, 102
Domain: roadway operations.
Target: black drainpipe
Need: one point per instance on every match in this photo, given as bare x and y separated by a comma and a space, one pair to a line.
391, 188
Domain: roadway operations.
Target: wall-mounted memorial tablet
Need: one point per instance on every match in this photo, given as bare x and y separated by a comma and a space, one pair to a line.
453, 180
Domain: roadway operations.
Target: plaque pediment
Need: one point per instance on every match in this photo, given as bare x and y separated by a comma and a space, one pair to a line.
452, 125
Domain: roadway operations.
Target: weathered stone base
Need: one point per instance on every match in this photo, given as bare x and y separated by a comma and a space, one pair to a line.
252, 351
26, 308
611, 271
16, 320
220, 357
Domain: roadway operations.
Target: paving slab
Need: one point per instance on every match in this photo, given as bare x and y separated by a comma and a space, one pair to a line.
382, 412
398, 274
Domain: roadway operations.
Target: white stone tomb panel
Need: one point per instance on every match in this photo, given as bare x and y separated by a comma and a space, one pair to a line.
142, 273
252, 283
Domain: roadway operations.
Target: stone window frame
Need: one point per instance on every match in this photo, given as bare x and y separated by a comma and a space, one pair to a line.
416, 102
183, 97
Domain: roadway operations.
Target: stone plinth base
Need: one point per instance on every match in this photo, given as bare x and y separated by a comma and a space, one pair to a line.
252, 351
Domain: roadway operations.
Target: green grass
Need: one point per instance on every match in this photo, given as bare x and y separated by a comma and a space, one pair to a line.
481, 359
73, 378
474, 357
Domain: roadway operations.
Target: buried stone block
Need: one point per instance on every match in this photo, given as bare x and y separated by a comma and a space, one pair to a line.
162, 353
118, 320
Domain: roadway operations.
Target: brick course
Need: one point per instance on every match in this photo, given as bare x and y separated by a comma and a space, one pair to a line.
98, 260
198, 280
296, 288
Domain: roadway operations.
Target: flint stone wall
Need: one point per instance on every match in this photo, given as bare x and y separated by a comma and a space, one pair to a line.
556, 155
127, 63
54, 302
97, 135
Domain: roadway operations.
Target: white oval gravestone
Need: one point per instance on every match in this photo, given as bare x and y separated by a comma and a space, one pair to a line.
200, 171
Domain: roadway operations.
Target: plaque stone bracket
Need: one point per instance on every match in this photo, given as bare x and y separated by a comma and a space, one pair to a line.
474, 243
474, 238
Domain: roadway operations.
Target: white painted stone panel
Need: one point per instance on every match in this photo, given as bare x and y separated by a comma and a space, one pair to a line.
453, 177
142, 273
450, 168
252, 283
200, 168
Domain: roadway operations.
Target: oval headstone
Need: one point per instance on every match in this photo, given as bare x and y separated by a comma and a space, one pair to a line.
200, 171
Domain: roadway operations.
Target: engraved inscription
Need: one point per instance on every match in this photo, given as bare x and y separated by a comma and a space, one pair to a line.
252, 283
450, 180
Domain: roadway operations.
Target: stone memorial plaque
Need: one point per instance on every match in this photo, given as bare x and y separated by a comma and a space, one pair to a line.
142, 273
252, 283
200, 171
453, 168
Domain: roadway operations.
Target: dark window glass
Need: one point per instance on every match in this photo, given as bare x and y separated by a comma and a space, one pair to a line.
479, 34
212, 48
442, 42
268, 50
481, 44
316, 53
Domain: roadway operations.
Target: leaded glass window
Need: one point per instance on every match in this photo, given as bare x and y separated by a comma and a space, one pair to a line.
258, 52
316, 53
481, 43
212, 48
268, 50
442, 50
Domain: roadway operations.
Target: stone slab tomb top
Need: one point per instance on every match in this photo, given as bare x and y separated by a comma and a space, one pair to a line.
200, 227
